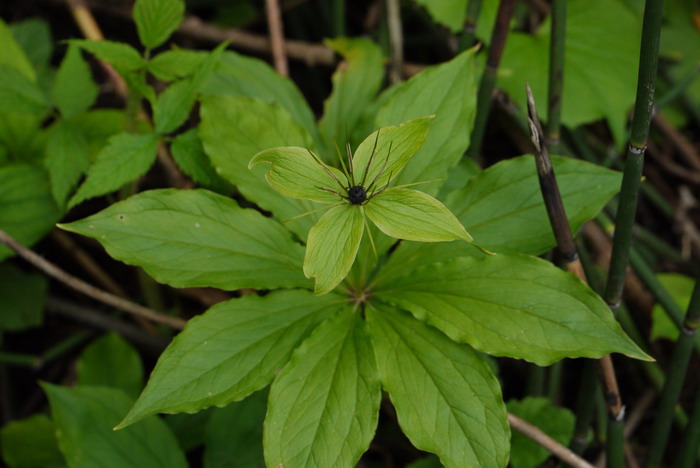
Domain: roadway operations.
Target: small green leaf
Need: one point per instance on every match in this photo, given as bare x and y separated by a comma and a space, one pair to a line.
446, 398
558, 423
111, 361
190, 157
156, 20
85, 417
546, 314
23, 296
332, 246
121, 56
12, 55
413, 215
73, 90
403, 140
190, 238
98, 125
450, 13
30, 443
19, 94
67, 158
680, 287
173, 64
324, 405
125, 158
294, 173
34, 37
231, 351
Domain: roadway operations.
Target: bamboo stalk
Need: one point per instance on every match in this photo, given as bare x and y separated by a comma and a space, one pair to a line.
691, 439
468, 38
556, 75
339, 17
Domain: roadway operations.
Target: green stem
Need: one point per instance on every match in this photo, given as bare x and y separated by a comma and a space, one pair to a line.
556, 75
691, 439
614, 441
64, 346
339, 17
468, 38
19, 359
554, 383
535, 381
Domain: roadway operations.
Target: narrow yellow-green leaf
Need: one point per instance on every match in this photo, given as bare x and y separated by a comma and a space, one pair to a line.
413, 215
332, 246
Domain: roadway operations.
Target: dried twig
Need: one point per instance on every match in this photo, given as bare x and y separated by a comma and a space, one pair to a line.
393, 16
274, 24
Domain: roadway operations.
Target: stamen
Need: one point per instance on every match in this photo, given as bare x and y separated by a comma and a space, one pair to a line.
371, 157
325, 168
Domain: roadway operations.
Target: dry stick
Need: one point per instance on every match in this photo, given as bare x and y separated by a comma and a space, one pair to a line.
537, 435
274, 24
393, 13
680, 142
87, 289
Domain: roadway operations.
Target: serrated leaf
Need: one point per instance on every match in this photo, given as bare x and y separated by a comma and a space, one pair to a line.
324, 405
85, 417
12, 55
73, 90
450, 13
413, 215
67, 158
125, 158
197, 238
121, 56
190, 157
27, 209
156, 20
446, 398
447, 91
31, 442
34, 37
23, 296
231, 351
332, 246
511, 305
19, 94
111, 361
173, 64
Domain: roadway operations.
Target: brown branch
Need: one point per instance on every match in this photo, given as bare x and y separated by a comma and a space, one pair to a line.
89, 290
274, 23
393, 17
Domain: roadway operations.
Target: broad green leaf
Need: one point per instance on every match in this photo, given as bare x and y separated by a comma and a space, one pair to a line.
233, 130
449, 13
34, 37
680, 287
27, 209
241, 76
190, 157
234, 434
404, 141
355, 84
12, 55
324, 405
511, 305
413, 215
600, 64
447, 91
173, 64
19, 94
190, 238
446, 398
98, 125
73, 90
23, 296
558, 423
332, 246
231, 351
22, 136
126, 157
296, 173
156, 20
67, 158
121, 56
85, 417
111, 361
31, 443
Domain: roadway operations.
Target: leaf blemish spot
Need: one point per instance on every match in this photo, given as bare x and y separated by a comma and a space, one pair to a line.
196, 225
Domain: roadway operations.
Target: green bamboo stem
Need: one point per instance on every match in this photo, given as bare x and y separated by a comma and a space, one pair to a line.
19, 359
535, 381
488, 79
691, 439
615, 437
339, 17
468, 37
556, 75
674, 381
554, 382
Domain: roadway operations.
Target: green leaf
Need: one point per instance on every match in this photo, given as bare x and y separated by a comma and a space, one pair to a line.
34, 37
355, 84
73, 89
12, 55
231, 351
22, 136
546, 314
680, 287
324, 405
121, 56
173, 64
234, 434
233, 130
98, 125
85, 417
67, 158
413, 215
446, 398
449, 13
447, 91
30, 443
125, 158
197, 238
156, 20
680, 42
19, 94
403, 141
190, 157
27, 209
23, 296
332, 246
558, 423
295, 173
601, 60
111, 361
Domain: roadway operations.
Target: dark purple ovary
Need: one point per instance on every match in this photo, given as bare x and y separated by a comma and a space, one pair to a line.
357, 194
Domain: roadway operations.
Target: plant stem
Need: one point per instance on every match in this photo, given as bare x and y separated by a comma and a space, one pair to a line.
556, 75
274, 24
691, 439
468, 37
393, 17
488, 79
339, 17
